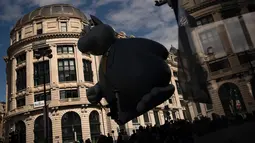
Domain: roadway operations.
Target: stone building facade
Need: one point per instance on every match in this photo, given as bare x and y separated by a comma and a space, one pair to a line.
68, 74
2, 115
224, 42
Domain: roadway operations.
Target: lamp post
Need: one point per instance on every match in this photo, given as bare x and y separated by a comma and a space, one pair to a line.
42, 54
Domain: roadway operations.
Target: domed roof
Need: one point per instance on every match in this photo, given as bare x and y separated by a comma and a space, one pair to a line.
48, 11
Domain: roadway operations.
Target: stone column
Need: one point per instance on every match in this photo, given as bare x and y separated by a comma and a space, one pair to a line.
141, 119
95, 68
79, 72
53, 65
151, 115
56, 127
217, 106
29, 76
181, 114
29, 129
13, 83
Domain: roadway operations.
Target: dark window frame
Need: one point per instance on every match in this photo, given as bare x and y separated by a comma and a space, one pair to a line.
65, 49
21, 58
71, 93
219, 67
209, 107
178, 87
21, 81
146, 117
61, 26
135, 121
20, 104
19, 35
67, 74
199, 111
39, 30
204, 20
40, 96
94, 123
39, 73
87, 70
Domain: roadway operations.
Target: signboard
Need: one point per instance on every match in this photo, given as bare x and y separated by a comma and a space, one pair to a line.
38, 104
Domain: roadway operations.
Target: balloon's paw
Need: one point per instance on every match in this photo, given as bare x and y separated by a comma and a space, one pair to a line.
94, 94
157, 96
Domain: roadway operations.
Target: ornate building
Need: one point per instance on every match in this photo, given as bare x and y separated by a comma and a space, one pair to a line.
2, 115
224, 42
68, 74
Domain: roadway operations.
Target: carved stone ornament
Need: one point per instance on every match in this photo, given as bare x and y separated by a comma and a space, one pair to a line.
54, 86
29, 90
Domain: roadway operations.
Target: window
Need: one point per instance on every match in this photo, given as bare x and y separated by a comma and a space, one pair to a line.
88, 73
40, 49
156, 117
14, 38
175, 74
222, 64
39, 130
209, 106
70, 123
170, 101
66, 70
20, 35
146, 117
39, 28
246, 58
135, 121
68, 94
21, 78
40, 96
179, 90
210, 39
63, 26
94, 122
205, 20
21, 101
198, 108
65, 49
39, 73
21, 58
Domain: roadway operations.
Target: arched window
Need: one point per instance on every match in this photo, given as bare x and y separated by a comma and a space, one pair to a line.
71, 127
231, 99
39, 130
94, 122
20, 131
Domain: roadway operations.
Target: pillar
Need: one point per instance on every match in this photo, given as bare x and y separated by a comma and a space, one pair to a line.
56, 127
53, 65
29, 76
13, 83
29, 122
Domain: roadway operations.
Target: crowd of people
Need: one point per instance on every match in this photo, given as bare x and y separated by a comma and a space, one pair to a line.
180, 131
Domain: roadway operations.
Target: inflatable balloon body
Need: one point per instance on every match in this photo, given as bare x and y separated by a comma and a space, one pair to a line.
133, 75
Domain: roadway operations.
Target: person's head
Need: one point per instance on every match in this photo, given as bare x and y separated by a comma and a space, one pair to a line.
88, 141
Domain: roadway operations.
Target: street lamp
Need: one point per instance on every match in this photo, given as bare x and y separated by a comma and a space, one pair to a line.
42, 54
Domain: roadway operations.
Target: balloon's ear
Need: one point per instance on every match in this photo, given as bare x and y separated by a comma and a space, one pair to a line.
95, 20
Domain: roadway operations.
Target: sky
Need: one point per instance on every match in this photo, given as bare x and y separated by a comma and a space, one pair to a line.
135, 17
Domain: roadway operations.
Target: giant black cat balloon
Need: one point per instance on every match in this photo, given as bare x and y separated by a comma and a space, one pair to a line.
133, 74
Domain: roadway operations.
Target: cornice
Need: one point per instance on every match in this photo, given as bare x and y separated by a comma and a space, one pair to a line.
42, 37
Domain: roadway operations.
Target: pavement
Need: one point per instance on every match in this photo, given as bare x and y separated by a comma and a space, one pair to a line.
244, 133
